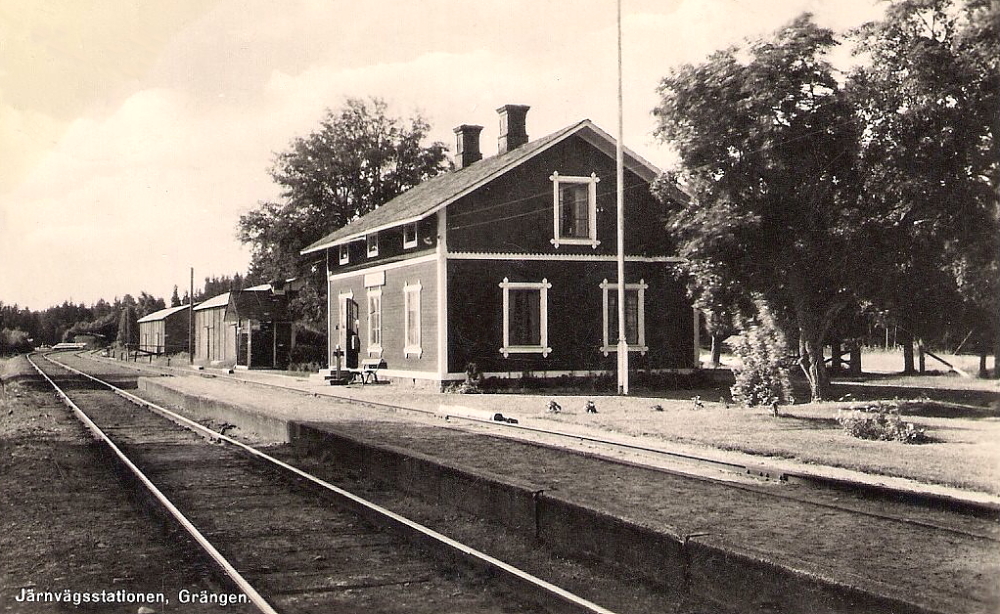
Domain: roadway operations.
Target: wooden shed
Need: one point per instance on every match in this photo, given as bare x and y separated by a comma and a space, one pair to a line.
214, 336
249, 328
264, 332
165, 331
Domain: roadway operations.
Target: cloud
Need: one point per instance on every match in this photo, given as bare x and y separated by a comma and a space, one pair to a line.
26, 135
153, 168
119, 195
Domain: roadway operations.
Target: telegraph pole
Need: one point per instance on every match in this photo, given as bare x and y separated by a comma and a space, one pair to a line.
620, 189
191, 321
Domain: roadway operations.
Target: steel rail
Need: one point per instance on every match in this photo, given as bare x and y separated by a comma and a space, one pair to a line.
754, 471
259, 602
739, 468
481, 557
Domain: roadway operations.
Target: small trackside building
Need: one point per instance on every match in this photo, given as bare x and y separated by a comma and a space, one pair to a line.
509, 263
165, 331
249, 328
264, 332
214, 336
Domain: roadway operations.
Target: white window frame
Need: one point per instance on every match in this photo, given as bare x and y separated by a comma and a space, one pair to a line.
543, 317
344, 253
374, 346
411, 294
416, 238
592, 182
371, 244
342, 318
609, 343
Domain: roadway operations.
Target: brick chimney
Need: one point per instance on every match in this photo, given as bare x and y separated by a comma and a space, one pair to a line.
513, 132
467, 145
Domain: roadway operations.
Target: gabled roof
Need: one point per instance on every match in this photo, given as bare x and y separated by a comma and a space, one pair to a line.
220, 300
438, 192
162, 314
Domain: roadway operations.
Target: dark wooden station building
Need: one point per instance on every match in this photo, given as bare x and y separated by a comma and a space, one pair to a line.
509, 263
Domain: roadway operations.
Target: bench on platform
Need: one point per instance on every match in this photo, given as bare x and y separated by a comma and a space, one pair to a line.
368, 372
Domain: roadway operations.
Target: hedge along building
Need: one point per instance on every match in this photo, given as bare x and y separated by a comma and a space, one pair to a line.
248, 328
165, 331
509, 263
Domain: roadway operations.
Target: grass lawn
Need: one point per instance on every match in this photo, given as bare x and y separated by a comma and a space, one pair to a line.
963, 450
960, 415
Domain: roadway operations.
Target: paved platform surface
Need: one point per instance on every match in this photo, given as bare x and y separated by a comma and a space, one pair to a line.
479, 406
961, 577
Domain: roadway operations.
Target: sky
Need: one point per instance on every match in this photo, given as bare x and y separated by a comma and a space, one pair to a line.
133, 135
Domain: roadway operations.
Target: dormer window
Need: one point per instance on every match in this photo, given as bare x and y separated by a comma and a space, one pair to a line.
410, 235
371, 244
574, 210
344, 253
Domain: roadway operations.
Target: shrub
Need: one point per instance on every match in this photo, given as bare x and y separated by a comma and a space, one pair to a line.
879, 421
14, 341
307, 367
465, 387
762, 378
308, 354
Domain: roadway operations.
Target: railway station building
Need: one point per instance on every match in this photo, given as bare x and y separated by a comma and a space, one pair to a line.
509, 263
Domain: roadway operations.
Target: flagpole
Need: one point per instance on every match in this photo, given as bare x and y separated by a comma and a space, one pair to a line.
620, 185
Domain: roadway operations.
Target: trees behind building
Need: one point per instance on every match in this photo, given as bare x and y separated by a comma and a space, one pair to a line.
817, 194
101, 322
357, 159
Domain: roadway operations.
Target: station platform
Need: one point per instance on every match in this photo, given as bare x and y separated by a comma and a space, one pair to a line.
777, 553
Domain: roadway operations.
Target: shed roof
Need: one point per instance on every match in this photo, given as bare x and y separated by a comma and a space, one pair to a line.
437, 192
220, 300
162, 314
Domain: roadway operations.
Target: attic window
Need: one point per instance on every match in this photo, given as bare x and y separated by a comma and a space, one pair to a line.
371, 242
410, 235
574, 210
344, 253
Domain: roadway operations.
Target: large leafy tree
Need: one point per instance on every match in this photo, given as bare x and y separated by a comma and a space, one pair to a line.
768, 144
930, 102
359, 158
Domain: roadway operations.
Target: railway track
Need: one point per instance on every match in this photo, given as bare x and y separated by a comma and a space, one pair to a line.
728, 509
271, 529
917, 509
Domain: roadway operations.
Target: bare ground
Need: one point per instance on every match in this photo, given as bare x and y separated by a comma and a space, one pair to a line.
66, 525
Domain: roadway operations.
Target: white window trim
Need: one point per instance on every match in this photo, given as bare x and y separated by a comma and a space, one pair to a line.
606, 346
344, 253
374, 349
371, 244
543, 317
336, 330
409, 290
592, 180
342, 315
416, 238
